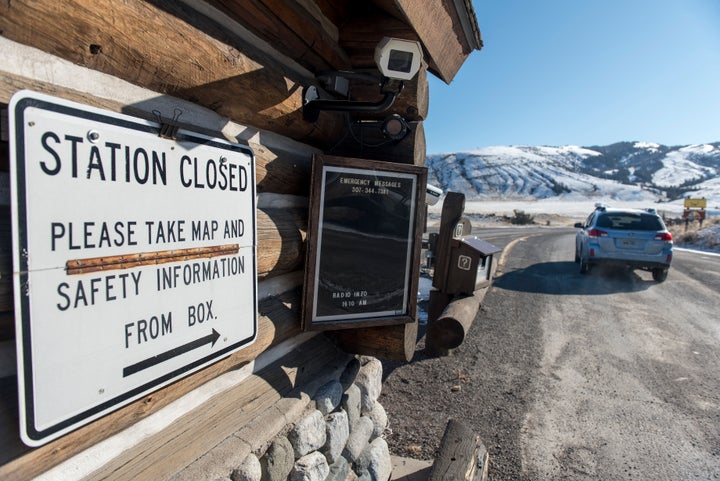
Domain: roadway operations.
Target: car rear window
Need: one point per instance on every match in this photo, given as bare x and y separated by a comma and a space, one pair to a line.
630, 221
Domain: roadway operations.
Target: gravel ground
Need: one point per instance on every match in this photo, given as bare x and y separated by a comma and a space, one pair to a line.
486, 382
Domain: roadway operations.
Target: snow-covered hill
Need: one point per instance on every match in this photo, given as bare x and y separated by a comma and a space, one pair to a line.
626, 172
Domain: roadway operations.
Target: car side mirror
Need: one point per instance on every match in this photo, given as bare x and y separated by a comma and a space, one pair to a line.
578, 225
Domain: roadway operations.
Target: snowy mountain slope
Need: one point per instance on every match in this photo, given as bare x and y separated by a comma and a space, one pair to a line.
625, 171
686, 165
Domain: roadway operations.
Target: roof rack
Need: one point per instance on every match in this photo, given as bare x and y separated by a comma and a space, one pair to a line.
600, 206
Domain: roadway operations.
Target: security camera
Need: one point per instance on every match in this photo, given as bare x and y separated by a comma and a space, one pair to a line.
397, 58
432, 194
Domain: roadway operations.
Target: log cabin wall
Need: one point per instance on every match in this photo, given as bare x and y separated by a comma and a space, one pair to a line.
235, 69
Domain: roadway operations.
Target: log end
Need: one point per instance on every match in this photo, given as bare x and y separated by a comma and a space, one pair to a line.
462, 455
393, 343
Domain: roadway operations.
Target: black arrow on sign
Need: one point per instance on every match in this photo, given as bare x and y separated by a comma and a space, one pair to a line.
174, 352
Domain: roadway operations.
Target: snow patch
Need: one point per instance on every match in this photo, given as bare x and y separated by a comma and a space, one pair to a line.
651, 146
679, 168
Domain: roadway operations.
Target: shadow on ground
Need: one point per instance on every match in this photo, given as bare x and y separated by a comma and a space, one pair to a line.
564, 278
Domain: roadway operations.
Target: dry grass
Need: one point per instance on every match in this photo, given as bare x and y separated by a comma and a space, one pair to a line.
688, 235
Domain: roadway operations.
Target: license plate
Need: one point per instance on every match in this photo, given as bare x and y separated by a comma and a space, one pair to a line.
629, 243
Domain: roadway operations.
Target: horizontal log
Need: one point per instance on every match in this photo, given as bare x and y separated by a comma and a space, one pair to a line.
176, 51
281, 201
275, 286
396, 342
462, 455
282, 172
450, 329
367, 141
278, 321
281, 240
336, 12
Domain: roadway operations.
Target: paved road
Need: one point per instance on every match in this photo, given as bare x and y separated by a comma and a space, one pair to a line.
627, 384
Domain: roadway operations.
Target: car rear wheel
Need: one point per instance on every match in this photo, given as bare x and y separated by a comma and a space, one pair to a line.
659, 274
584, 266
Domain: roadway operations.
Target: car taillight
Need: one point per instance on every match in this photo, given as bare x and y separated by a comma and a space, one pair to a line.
597, 233
665, 236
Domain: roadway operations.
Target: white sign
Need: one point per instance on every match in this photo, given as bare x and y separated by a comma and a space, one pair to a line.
464, 262
134, 258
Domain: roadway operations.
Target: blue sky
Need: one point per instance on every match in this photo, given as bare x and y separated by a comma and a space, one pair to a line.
583, 72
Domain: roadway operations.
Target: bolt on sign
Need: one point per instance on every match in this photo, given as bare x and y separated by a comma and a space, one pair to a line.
134, 258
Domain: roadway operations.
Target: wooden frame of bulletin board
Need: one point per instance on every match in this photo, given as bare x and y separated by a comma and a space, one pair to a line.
364, 239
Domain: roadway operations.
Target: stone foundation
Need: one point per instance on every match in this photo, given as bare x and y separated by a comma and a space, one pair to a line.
337, 436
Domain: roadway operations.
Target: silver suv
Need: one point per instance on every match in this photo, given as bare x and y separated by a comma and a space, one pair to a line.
631, 237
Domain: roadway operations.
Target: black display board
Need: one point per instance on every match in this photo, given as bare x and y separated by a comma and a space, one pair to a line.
364, 236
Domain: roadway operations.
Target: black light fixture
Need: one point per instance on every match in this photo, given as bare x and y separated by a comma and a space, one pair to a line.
395, 127
313, 103
396, 59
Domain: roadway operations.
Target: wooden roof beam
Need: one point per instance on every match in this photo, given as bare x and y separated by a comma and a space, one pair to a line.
363, 32
298, 29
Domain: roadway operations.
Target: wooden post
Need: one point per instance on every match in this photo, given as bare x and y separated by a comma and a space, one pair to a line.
452, 211
437, 302
449, 316
462, 455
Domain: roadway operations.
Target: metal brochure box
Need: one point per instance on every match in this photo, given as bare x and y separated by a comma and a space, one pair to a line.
470, 267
